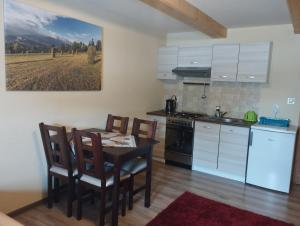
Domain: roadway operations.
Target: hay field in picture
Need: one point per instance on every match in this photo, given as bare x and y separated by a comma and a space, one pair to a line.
49, 52
65, 72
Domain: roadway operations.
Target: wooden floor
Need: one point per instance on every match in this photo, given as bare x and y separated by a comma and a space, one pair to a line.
168, 183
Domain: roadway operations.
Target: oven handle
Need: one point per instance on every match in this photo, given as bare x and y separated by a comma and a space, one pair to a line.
172, 126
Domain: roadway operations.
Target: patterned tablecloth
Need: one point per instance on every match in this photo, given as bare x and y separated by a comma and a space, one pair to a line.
117, 140
111, 139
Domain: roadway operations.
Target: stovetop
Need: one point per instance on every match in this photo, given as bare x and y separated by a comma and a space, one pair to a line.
185, 119
187, 115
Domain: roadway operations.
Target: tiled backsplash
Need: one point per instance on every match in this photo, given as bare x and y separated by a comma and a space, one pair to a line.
234, 98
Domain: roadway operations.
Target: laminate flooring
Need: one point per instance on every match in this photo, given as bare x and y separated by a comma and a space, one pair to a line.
168, 183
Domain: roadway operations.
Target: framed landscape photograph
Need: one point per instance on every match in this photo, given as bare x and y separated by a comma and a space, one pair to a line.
48, 52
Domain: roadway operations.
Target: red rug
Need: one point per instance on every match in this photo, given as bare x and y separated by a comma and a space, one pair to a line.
192, 210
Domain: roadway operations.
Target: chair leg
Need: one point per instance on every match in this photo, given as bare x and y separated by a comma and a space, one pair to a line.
102, 208
124, 201
79, 202
92, 197
50, 192
56, 189
131, 187
70, 197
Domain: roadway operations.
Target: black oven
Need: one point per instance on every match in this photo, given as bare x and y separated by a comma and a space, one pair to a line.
179, 142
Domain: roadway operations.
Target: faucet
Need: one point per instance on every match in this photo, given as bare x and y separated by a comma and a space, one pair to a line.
219, 113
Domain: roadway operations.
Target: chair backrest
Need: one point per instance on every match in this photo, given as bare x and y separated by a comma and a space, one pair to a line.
111, 124
56, 146
144, 128
90, 158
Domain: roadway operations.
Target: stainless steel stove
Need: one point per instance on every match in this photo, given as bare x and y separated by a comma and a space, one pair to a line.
180, 138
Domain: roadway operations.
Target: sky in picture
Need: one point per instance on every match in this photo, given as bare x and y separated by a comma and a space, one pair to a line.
22, 19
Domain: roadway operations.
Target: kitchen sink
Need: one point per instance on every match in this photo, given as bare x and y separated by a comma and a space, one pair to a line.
228, 120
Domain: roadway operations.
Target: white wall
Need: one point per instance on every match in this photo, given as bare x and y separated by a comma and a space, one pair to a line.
285, 65
129, 87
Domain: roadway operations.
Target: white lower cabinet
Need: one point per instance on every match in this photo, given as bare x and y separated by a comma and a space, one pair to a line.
233, 149
221, 150
206, 144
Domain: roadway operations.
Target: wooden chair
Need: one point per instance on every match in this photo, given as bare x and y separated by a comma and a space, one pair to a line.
139, 165
111, 127
94, 173
58, 155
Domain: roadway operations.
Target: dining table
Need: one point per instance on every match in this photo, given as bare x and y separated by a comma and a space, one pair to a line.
118, 156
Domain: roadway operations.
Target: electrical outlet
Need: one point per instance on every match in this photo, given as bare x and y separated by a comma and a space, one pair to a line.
291, 100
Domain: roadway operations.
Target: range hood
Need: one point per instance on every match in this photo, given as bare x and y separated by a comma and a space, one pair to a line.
199, 72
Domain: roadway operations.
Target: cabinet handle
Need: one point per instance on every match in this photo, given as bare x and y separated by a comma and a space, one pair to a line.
206, 127
231, 130
251, 138
223, 76
251, 76
194, 62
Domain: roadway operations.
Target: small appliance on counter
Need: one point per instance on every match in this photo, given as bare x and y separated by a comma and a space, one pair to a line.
274, 121
171, 105
250, 116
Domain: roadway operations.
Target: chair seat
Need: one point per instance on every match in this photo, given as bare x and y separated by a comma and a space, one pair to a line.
109, 180
136, 165
62, 171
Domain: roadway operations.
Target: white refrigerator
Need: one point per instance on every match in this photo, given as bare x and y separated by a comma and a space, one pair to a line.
270, 158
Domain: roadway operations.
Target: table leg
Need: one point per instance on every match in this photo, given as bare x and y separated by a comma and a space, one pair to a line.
115, 196
148, 178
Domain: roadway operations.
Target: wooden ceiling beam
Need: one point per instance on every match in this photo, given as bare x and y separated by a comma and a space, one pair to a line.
294, 7
191, 15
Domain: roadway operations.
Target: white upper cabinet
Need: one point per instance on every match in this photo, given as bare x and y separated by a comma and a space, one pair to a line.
195, 56
229, 62
225, 62
167, 61
254, 62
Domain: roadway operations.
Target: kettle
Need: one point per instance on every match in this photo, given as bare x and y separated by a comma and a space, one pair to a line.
250, 116
171, 105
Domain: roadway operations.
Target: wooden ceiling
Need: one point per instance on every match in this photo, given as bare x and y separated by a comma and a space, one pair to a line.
294, 7
191, 15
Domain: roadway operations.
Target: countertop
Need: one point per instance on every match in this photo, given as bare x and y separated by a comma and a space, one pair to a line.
235, 122
290, 129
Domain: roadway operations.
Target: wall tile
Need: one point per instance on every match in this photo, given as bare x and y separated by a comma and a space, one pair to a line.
234, 98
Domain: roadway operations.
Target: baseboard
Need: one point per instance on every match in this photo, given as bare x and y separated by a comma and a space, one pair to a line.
27, 207
218, 173
158, 159
62, 188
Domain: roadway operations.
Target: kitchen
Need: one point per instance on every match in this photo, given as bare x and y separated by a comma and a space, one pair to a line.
211, 126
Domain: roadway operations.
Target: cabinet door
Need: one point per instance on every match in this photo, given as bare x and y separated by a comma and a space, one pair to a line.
253, 71
165, 71
167, 61
233, 150
195, 56
225, 62
254, 61
206, 144
159, 149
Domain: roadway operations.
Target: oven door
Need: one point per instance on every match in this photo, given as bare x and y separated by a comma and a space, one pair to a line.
179, 139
